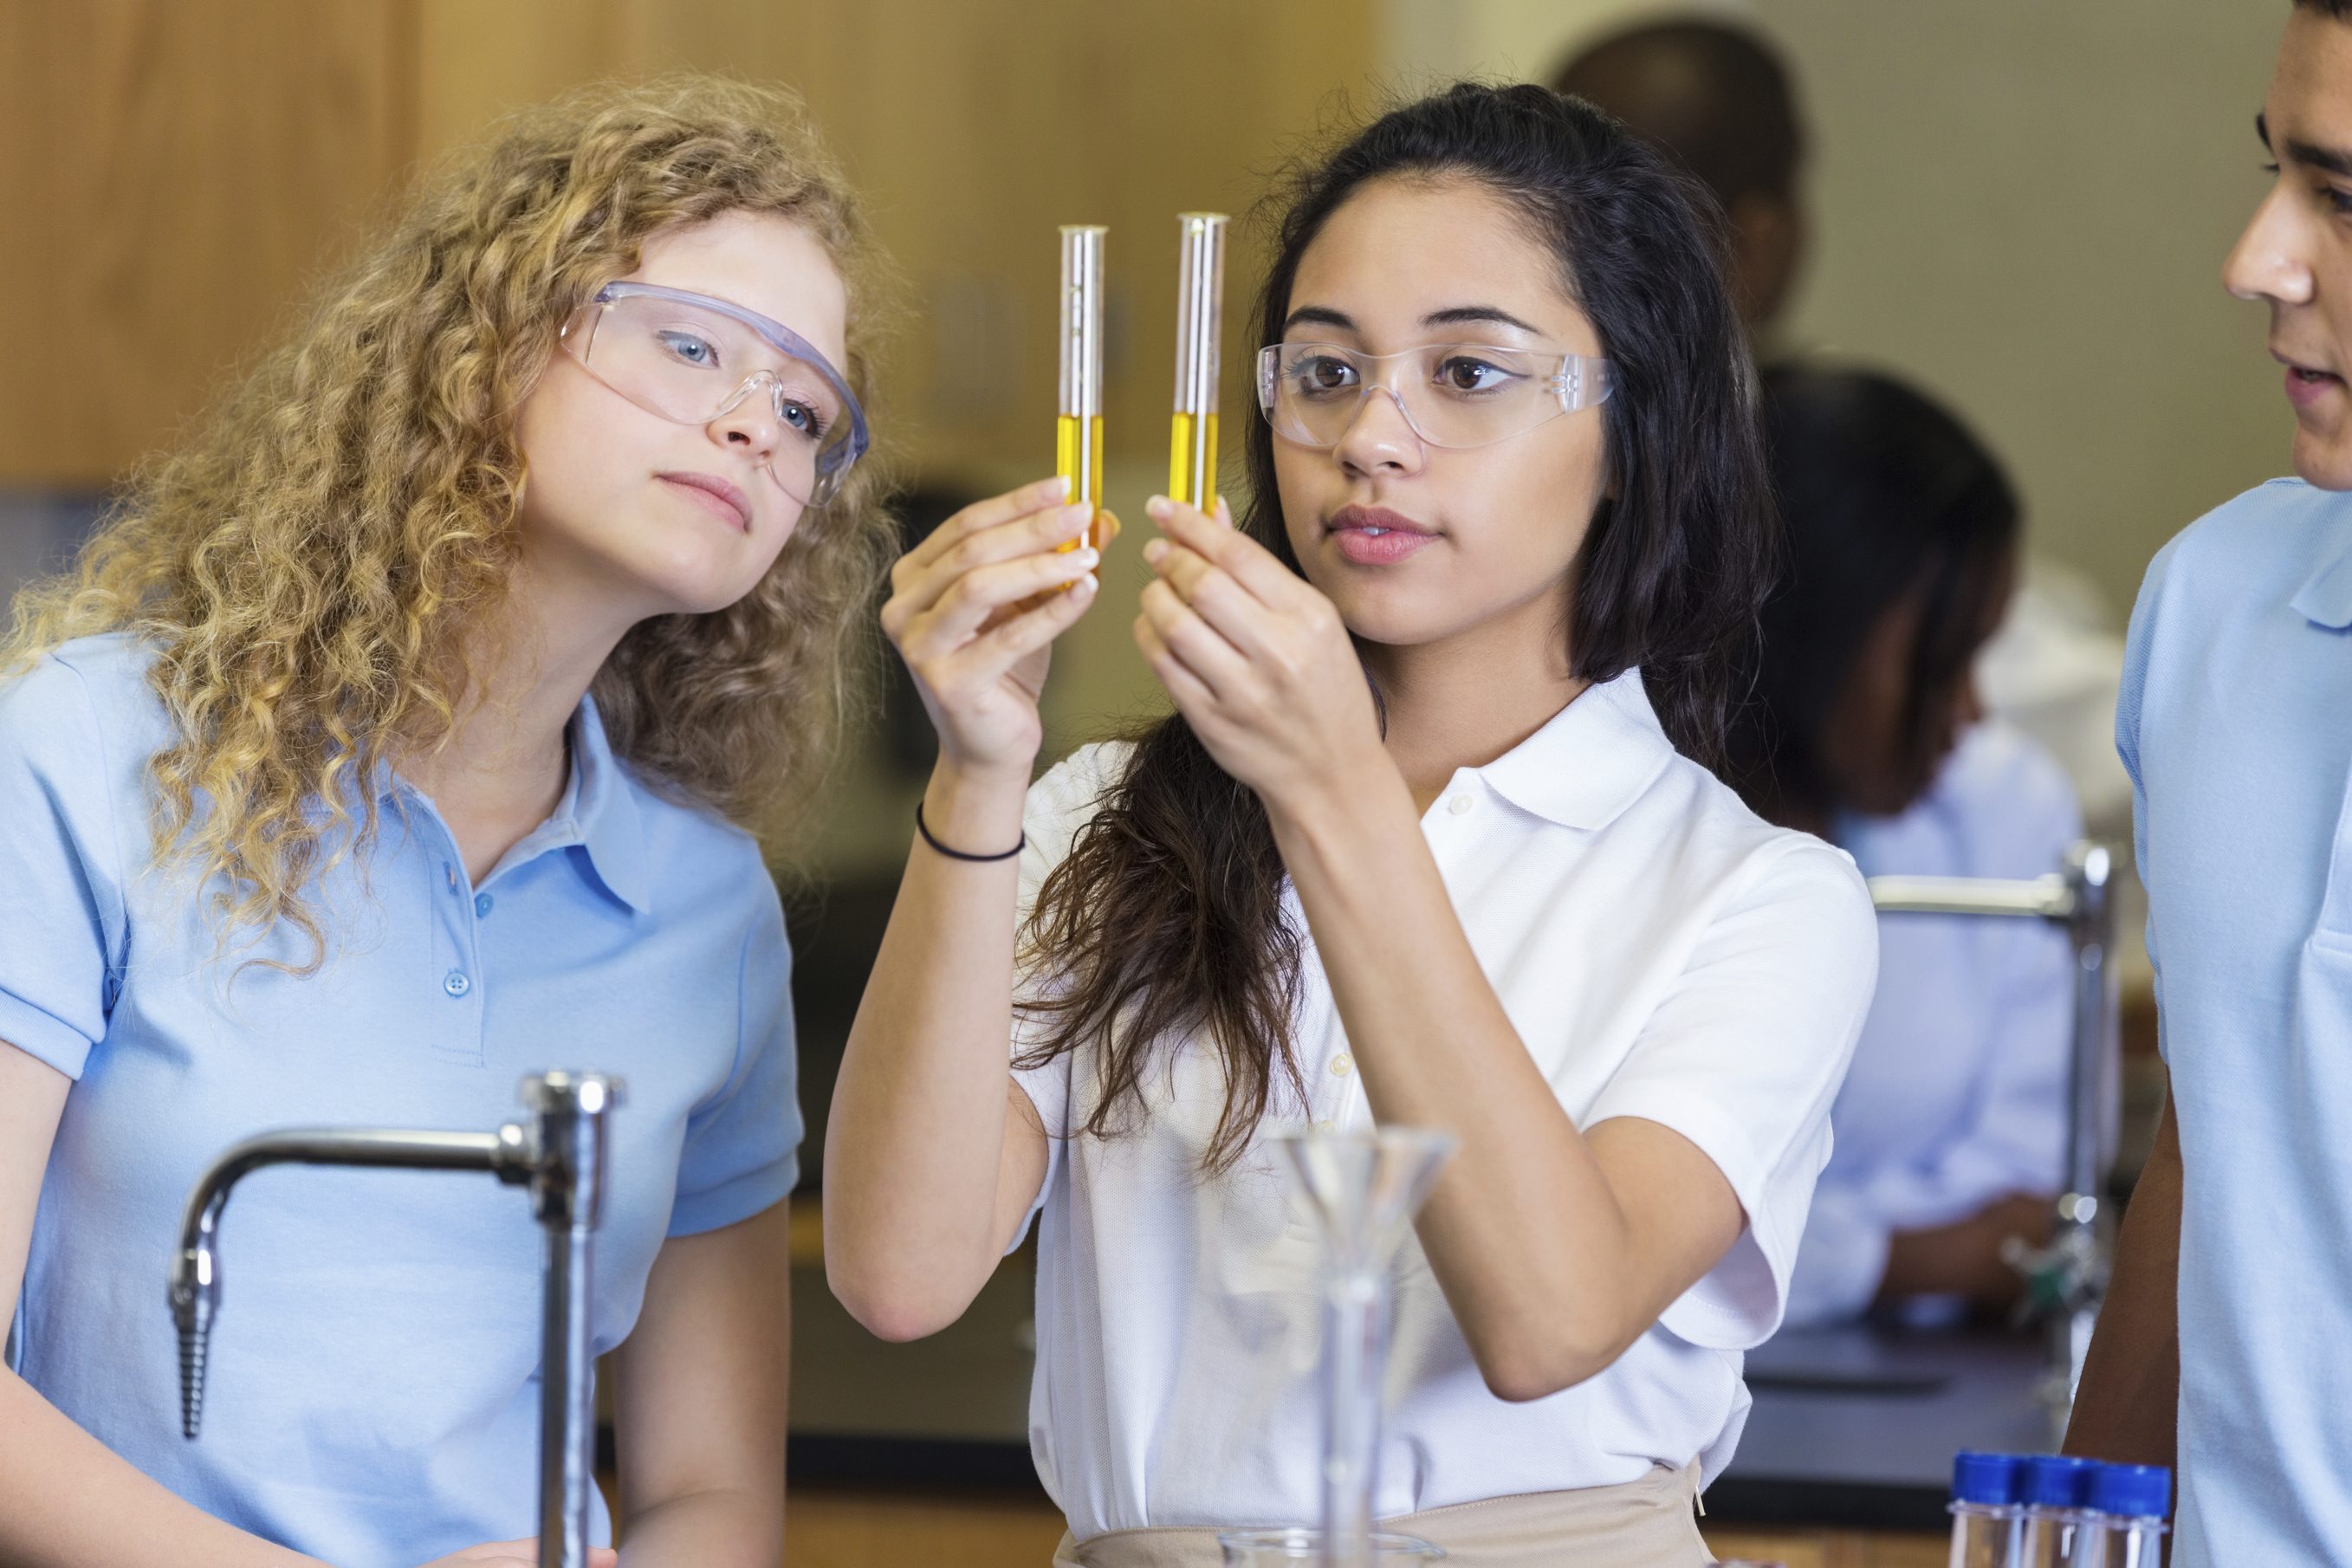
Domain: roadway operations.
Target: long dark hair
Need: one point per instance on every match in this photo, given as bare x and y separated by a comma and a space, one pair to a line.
1166, 920
1882, 494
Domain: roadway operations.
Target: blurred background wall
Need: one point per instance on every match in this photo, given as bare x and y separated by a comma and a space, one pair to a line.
2020, 205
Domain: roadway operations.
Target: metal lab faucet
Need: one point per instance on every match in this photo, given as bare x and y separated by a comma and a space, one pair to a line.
2067, 1278
559, 1152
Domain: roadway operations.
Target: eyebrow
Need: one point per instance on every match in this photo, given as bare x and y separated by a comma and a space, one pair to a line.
1318, 316
1495, 314
2332, 160
1454, 315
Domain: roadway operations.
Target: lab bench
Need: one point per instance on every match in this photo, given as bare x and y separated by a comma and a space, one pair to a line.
1853, 1429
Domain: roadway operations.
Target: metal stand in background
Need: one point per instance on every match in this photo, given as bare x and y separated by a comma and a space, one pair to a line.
560, 1153
2067, 1279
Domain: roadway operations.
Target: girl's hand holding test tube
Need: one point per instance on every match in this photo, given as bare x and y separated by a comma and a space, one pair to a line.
1257, 660
974, 610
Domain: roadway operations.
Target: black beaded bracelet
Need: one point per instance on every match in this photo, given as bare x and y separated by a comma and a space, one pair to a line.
958, 854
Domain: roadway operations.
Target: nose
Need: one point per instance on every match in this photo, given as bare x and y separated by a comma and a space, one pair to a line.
2271, 260
751, 425
1381, 438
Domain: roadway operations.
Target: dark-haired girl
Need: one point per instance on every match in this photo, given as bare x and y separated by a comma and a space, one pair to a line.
1431, 839
1901, 550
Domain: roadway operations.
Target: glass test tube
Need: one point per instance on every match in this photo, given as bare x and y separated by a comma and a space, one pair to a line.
1078, 431
1200, 316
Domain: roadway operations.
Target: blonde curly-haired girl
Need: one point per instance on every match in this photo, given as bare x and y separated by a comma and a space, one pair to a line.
402, 733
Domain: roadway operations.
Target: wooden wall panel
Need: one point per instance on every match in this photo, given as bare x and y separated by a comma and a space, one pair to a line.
171, 172
176, 170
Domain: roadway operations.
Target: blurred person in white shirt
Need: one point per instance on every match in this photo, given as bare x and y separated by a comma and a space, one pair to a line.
1866, 727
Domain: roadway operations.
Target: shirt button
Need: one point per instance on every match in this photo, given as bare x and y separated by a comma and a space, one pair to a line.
1459, 806
1342, 1065
481, 903
450, 872
1323, 1127
456, 982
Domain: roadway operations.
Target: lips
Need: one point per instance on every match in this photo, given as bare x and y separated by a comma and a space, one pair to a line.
1375, 536
714, 495
2306, 387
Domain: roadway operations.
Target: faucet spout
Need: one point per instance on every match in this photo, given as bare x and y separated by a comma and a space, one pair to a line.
560, 1154
196, 1267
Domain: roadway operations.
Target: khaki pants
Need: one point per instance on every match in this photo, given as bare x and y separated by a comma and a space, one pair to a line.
1647, 1524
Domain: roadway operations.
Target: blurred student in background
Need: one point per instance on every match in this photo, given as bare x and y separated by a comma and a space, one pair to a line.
1866, 728
1719, 98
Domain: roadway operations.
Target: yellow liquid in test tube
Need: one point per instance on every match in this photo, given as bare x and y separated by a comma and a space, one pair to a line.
1078, 457
1078, 413
1200, 312
1193, 450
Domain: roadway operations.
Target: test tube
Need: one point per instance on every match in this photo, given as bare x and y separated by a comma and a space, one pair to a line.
1200, 315
1078, 431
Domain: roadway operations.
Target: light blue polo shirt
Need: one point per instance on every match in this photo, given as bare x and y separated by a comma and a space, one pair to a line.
2236, 722
373, 1391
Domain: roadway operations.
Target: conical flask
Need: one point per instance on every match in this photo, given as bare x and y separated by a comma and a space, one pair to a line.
1362, 1189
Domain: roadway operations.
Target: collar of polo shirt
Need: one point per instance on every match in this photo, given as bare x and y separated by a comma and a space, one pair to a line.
2325, 597
593, 812
1590, 761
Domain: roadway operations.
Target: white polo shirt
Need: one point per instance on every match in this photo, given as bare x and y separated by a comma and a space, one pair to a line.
1957, 1095
1663, 954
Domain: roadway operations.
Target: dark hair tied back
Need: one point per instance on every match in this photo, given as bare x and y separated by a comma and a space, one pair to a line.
1164, 928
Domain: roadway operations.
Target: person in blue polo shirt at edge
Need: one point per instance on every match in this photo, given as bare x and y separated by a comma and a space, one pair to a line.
397, 738
2225, 1330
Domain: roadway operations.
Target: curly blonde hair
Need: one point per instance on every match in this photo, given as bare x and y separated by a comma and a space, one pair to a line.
312, 567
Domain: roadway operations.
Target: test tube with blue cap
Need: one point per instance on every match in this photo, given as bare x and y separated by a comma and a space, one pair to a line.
2056, 1492
2128, 1507
1987, 1519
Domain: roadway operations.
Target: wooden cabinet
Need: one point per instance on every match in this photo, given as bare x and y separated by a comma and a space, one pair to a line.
175, 171
171, 173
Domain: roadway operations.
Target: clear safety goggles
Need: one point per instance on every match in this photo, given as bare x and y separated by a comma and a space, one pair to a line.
694, 359
1452, 395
